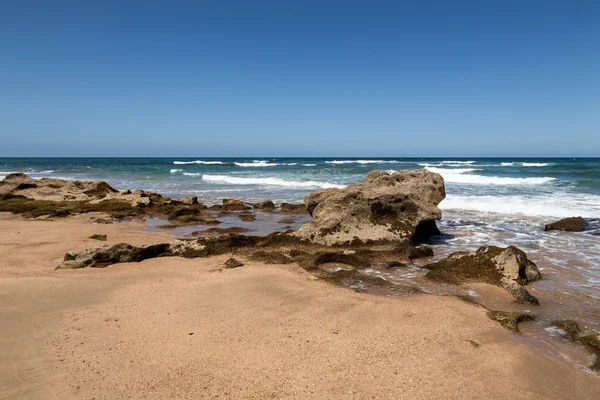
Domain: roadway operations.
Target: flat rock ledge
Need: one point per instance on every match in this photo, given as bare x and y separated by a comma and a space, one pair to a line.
397, 207
508, 268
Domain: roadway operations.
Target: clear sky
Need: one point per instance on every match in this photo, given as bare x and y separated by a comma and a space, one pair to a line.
300, 78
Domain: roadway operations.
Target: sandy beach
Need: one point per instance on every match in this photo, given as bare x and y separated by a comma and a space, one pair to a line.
180, 328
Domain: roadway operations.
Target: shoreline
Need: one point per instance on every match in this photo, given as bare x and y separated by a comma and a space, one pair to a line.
126, 329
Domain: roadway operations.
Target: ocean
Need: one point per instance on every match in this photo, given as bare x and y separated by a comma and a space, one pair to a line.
556, 187
490, 201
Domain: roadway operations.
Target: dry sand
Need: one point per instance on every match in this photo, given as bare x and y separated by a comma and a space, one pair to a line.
171, 328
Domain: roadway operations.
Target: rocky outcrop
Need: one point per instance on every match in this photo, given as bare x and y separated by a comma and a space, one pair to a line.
505, 267
385, 207
107, 255
59, 190
573, 224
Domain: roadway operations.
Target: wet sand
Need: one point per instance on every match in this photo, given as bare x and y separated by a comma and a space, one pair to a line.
179, 328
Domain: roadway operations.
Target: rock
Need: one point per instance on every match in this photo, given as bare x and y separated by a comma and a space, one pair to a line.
220, 231
97, 236
590, 341
247, 217
189, 200
508, 268
233, 263
289, 208
61, 212
108, 255
573, 224
271, 257
385, 207
266, 205
190, 215
510, 320
234, 205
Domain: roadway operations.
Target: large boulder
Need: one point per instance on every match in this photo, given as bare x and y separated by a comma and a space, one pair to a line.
505, 267
573, 224
385, 207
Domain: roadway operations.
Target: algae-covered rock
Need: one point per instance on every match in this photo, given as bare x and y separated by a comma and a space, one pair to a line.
232, 263
572, 224
98, 236
505, 267
590, 341
510, 320
385, 207
107, 255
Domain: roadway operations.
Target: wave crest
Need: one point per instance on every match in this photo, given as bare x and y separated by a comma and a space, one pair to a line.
235, 180
198, 162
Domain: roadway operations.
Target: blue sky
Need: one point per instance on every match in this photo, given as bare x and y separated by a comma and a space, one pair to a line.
300, 78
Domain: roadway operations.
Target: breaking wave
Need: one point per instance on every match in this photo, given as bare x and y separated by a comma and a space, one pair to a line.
234, 180
464, 176
559, 206
361, 162
198, 162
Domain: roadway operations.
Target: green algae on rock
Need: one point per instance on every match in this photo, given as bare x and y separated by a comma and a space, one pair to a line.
505, 267
510, 320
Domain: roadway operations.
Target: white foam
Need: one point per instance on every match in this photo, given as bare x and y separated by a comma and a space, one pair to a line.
442, 171
558, 205
235, 180
361, 162
507, 164
309, 165
197, 162
461, 176
526, 164
256, 163
192, 173
458, 162
174, 171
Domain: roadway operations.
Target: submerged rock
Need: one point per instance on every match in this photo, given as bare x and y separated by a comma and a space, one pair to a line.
505, 267
572, 224
220, 231
247, 217
590, 341
385, 207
